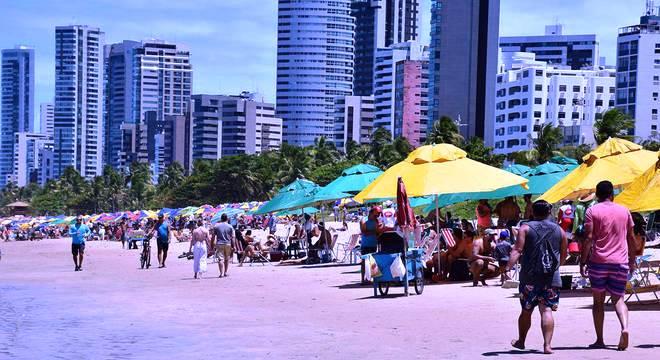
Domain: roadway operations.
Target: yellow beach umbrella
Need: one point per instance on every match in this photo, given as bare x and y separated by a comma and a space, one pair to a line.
437, 170
643, 194
617, 160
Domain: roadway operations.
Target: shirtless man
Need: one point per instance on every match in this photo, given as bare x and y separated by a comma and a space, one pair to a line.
482, 265
462, 249
508, 212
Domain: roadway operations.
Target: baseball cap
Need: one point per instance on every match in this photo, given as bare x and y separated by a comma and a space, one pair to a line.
376, 209
490, 232
504, 234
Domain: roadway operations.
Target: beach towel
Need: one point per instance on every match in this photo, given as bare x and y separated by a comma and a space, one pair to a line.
199, 257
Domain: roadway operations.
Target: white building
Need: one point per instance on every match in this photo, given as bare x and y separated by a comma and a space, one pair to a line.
315, 49
47, 118
555, 48
638, 74
231, 125
79, 89
354, 120
388, 72
33, 159
532, 94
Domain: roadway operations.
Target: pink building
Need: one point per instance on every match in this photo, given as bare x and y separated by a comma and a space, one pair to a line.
411, 101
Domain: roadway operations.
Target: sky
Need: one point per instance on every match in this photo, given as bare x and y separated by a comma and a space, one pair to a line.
233, 42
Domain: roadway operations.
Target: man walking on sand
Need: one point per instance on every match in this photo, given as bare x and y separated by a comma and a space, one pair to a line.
608, 253
541, 247
78, 233
222, 240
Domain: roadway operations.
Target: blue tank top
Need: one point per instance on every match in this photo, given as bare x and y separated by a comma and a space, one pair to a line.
162, 233
370, 240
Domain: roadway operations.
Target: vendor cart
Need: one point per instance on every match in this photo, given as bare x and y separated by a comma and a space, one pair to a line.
414, 269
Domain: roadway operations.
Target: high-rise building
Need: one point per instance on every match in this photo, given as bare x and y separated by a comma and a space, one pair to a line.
315, 49
555, 48
638, 73
47, 118
232, 125
78, 126
463, 63
379, 24
401, 91
17, 103
531, 93
33, 158
354, 120
145, 82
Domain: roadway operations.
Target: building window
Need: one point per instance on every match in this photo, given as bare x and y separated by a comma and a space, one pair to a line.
599, 89
538, 101
599, 102
562, 101
562, 88
537, 114
561, 115
513, 142
523, 128
524, 115
525, 88
539, 72
523, 142
610, 103
538, 87
576, 88
654, 111
612, 88
575, 115
524, 101
526, 73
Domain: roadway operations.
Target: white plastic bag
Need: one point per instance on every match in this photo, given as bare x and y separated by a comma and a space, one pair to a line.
397, 268
367, 267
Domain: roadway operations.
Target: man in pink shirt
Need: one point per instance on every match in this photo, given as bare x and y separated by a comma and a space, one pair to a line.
609, 252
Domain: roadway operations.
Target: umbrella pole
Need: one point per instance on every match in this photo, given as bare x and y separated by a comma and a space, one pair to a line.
437, 230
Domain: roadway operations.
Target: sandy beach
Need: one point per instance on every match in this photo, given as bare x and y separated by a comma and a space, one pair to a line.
114, 310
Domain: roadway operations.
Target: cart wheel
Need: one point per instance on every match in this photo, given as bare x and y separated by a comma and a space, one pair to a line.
419, 285
383, 288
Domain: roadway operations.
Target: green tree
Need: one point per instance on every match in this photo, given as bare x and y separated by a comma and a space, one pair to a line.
444, 131
141, 188
478, 151
546, 142
613, 123
651, 145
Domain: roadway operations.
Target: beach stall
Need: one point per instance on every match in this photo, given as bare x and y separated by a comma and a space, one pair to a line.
617, 160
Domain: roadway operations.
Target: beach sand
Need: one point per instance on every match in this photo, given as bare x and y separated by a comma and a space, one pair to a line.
114, 310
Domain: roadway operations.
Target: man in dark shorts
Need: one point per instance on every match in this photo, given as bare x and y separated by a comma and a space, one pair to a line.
541, 247
78, 233
609, 254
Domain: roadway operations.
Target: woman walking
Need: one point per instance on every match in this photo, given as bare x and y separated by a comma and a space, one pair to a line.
199, 247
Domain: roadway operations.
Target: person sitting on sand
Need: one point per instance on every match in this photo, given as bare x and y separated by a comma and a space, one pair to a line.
482, 264
462, 249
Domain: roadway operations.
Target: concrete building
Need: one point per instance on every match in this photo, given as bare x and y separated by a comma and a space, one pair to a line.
401, 91
555, 48
638, 74
178, 140
231, 125
463, 63
17, 103
78, 125
33, 160
379, 24
533, 93
146, 82
47, 118
315, 49
354, 120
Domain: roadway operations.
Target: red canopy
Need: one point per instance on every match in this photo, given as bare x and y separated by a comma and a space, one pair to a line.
405, 215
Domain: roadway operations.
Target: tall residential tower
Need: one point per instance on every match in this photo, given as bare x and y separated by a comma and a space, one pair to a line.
17, 104
78, 100
463, 63
314, 65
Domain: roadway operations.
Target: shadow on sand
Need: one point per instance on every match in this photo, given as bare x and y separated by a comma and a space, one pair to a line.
537, 352
632, 306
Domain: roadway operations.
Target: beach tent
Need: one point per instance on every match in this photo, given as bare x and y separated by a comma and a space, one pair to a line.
643, 194
287, 196
617, 160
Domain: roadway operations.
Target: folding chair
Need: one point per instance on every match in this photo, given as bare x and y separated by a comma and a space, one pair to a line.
330, 249
349, 248
639, 281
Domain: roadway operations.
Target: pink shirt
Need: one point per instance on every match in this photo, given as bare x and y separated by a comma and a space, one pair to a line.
610, 223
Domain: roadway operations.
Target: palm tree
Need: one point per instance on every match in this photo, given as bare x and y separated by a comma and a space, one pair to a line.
444, 131
613, 123
547, 140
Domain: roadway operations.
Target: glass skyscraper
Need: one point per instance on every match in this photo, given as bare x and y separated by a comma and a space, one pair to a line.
17, 104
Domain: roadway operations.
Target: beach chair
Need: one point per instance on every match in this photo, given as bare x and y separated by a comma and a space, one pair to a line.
349, 249
430, 246
330, 249
639, 281
258, 257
